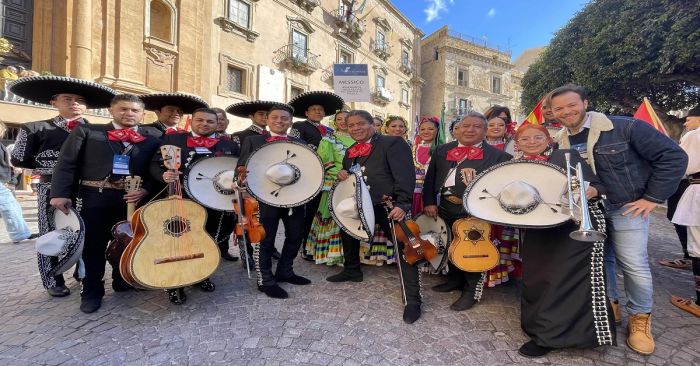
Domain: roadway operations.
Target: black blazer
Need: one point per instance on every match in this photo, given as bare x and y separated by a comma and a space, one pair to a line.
440, 167
155, 129
87, 154
306, 131
388, 169
240, 136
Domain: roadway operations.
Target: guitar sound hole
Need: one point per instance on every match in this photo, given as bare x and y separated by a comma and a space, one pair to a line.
176, 226
474, 235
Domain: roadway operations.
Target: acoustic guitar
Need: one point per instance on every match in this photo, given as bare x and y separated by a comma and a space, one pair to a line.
171, 248
121, 231
471, 249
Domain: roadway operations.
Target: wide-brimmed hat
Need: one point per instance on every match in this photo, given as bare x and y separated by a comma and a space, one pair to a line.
65, 240
188, 102
284, 174
530, 194
330, 102
245, 109
210, 181
40, 89
351, 206
436, 231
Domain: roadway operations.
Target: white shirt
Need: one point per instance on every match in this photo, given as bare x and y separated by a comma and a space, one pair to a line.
276, 134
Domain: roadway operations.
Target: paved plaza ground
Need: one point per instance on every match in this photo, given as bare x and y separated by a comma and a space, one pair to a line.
320, 324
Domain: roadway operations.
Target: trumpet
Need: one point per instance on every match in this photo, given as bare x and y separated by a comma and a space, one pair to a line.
585, 232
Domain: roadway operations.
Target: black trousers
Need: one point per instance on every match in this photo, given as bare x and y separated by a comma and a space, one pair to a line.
100, 211
467, 280
681, 230
351, 252
270, 218
310, 209
220, 226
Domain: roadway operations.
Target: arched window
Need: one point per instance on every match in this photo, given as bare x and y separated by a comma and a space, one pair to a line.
160, 21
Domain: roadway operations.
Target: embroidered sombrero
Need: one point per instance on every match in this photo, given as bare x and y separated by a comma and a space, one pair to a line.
284, 174
330, 102
210, 182
351, 206
65, 240
436, 231
529, 194
188, 102
40, 89
245, 109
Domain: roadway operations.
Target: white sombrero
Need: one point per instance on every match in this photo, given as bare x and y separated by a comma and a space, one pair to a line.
210, 182
436, 231
65, 240
351, 207
519, 193
284, 174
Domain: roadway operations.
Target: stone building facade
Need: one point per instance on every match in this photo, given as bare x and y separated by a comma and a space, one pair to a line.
465, 75
231, 50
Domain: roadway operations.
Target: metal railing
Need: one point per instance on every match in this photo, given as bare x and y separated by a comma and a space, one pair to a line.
478, 42
297, 57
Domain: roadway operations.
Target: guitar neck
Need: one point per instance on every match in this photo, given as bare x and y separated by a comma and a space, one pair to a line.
130, 208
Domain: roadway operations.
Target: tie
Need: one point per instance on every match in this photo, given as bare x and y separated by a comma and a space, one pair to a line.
71, 124
359, 150
171, 131
535, 157
125, 135
322, 129
276, 138
465, 152
201, 141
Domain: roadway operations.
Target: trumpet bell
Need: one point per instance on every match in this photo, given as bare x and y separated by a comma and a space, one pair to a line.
588, 236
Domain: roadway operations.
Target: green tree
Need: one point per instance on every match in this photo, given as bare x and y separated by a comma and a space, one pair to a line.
622, 51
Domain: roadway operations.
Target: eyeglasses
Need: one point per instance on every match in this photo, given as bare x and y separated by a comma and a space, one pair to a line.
538, 138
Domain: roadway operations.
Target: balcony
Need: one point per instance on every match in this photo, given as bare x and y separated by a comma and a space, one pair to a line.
297, 59
382, 50
406, 67
382, 95
348, 25
308, 5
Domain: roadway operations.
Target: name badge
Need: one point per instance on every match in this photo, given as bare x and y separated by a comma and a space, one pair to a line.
120, 165
202, 150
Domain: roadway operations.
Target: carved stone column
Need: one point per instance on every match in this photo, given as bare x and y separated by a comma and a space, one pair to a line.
81, 52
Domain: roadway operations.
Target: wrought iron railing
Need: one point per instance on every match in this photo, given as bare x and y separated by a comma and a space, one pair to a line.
297, 57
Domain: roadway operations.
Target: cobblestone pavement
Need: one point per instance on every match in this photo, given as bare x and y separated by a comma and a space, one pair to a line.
322, 324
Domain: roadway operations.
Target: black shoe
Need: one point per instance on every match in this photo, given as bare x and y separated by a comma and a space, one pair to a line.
294, 280
177, 296
121, 286
345, 276
58, 291
531, 349
448, 286
308, 257
411, 313
207, 286
276, 255
251, 264
228, 257
465, 302
90, 304
274, 291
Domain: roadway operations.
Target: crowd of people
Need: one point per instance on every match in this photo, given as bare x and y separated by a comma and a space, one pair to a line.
569, 296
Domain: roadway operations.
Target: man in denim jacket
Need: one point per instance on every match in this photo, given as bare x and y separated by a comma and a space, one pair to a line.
640, 168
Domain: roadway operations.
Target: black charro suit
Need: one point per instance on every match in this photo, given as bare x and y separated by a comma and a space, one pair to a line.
219, 224
156, 129
87, 155
253, 130
293, 221
434, 193
388, 170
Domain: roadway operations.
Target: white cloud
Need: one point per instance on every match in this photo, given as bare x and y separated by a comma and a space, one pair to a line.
491, 13
434, 8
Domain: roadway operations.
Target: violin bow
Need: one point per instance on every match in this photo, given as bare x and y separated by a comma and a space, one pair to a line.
239, 198
397, 251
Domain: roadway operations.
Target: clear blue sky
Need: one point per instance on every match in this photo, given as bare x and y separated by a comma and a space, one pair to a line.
513, 24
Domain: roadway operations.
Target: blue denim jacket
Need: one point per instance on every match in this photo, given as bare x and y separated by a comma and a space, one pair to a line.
633, 160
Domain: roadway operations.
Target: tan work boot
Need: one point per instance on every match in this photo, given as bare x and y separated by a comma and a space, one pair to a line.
639, 336
615, 305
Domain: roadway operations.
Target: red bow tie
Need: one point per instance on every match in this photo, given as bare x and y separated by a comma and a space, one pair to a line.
535, 157
322, 129
201, 141
171, 131
461, 152
276, 138
125, 135
71, 124
359, 150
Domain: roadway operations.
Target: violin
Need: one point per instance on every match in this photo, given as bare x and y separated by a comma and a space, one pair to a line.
415, 248
248, 223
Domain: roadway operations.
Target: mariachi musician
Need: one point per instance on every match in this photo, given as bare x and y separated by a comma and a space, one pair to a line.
314, 106
451, 169
169, 108
94, 162
387, 166
279, 120
196, 145
38, 143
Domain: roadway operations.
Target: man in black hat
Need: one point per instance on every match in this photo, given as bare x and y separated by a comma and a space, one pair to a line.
387, 165
90, 172
257, 112
169, 108
451, 169
279, 119
38, 144
314, 106
196, 145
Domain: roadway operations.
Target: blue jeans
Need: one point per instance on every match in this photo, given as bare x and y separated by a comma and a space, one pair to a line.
11, 213
610, 271
628, 238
